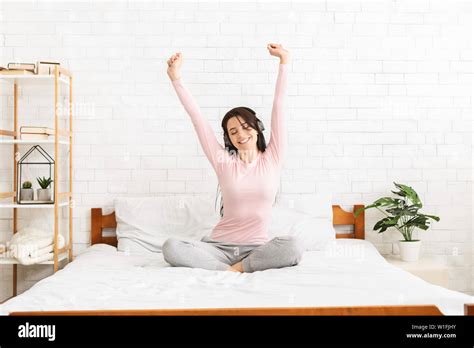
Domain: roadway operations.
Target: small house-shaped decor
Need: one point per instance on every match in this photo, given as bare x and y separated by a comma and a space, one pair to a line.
42, 178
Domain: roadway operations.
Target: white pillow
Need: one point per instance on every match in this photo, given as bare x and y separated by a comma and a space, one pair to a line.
313, 231
317, 205
144, 223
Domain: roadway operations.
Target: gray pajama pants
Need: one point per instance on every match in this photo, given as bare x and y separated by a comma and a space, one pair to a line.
215, 255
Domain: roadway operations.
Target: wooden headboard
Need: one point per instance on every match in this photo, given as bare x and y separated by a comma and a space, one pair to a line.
340, 217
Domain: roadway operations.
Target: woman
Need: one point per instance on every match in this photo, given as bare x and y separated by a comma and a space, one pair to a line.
248, 172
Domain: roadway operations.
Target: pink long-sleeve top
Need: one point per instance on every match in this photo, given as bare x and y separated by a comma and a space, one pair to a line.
248, 189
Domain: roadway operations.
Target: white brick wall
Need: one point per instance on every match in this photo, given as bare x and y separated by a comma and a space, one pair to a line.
380, 91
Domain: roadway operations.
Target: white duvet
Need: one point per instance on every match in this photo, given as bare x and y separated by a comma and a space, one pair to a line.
348, 272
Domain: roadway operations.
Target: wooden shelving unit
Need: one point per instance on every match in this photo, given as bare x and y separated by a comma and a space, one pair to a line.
62, 137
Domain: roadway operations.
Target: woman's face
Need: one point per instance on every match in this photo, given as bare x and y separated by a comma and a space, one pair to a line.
242, 136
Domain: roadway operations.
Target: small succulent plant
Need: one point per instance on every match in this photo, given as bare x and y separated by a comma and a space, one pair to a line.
27, 185
44, 182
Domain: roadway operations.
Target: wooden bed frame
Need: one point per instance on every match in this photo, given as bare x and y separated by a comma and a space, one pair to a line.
340, 217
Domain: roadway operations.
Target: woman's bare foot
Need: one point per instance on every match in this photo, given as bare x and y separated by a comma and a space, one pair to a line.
236, 268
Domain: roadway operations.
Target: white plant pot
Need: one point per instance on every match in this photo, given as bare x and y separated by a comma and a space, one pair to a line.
409, 250
44, 194
26, 194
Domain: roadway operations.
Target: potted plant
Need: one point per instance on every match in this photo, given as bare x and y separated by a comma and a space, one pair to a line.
44, 193
403, 215
26, 192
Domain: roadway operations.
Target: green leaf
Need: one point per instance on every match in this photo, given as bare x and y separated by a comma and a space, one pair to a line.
433, 217
386, 223
406, 191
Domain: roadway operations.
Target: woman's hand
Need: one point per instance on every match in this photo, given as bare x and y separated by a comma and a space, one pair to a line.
174, 66
277, 50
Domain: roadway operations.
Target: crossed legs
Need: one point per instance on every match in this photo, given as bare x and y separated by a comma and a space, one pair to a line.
277, 253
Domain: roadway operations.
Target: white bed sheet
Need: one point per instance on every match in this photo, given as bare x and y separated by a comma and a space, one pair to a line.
349, 272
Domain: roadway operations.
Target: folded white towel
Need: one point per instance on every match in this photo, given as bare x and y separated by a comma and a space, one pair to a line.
31, 245
34, 236
33, 260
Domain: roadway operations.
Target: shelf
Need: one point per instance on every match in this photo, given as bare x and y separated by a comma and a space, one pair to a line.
33, 79
20, 141
60, 83
32, 206
14, 261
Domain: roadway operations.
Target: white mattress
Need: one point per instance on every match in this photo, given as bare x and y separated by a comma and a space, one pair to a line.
348, 273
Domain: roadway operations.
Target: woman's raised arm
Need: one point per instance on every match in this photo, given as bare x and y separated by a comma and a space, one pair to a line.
277, 143
212, 149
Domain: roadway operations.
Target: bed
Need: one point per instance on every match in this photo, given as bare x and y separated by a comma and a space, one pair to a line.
348, 277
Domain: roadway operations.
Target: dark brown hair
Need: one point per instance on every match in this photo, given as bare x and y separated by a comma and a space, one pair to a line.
250, 117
